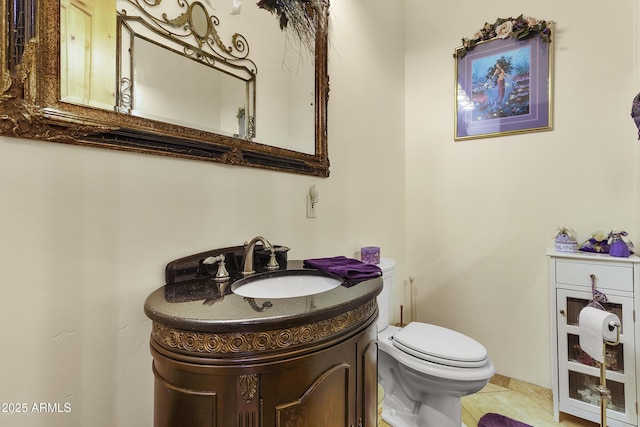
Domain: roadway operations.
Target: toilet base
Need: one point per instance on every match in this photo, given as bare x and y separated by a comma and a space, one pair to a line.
396, 414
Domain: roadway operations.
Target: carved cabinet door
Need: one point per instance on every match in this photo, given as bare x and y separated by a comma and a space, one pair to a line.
318, 391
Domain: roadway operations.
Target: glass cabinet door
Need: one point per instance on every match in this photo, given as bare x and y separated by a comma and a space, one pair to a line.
579, 374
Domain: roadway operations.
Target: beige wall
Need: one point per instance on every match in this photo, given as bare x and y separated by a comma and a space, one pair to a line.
481, 213
85, 233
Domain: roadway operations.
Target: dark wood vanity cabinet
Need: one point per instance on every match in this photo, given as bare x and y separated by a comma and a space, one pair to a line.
224, 360
331, 383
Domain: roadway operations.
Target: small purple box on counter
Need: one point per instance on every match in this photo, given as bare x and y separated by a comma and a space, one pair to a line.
370, 254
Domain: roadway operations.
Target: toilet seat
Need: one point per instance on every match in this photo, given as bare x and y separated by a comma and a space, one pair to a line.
440, 345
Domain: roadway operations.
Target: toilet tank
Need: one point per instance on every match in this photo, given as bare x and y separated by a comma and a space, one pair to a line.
388, 267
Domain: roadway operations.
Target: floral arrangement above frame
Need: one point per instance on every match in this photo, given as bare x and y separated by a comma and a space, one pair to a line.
503, 79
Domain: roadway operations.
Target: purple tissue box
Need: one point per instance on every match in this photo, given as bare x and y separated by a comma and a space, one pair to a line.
370, 255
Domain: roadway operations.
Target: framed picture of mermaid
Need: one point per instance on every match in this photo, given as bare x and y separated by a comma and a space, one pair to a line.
503, 87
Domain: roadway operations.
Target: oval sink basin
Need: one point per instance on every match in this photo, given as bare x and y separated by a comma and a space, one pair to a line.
289, 285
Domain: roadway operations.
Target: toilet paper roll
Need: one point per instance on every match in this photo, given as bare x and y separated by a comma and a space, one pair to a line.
594, 329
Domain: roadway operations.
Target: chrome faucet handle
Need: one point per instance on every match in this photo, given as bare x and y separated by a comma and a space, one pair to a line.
272, 264
210, 260
213, 259
222, 275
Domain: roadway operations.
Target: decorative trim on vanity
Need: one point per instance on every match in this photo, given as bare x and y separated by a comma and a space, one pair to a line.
261, 342
248, 386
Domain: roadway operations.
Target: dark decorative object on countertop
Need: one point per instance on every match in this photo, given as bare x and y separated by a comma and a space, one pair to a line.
518, 28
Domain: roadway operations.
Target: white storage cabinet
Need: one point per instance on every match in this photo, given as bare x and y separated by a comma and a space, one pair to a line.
575, 374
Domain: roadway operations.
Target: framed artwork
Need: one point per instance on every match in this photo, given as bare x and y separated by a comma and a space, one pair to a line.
504, 80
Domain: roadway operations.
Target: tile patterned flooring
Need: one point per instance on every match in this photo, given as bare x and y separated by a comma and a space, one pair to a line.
534, 408
529, 408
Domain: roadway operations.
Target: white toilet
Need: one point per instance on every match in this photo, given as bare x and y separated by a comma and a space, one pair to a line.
425, 369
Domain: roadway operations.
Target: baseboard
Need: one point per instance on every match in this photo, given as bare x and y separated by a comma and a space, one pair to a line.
523, 387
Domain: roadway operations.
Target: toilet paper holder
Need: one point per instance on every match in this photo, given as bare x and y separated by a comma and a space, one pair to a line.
596, 302
602, 389
612, 326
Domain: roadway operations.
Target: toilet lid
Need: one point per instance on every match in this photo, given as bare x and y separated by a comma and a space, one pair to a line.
440, 345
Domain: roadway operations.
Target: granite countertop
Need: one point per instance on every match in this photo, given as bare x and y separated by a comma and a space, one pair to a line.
199, 305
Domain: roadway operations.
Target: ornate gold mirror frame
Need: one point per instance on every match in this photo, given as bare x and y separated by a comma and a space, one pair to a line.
31, 106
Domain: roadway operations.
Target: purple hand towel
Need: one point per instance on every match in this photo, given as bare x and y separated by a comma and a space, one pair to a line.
347, 268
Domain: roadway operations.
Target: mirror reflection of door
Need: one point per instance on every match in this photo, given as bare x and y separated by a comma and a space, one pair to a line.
87, 49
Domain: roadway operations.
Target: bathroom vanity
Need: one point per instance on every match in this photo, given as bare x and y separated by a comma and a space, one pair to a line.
576, 374
221, 359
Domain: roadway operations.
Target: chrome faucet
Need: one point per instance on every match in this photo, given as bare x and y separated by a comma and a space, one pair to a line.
248, 255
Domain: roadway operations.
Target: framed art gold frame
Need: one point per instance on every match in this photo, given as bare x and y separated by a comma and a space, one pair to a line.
503, 80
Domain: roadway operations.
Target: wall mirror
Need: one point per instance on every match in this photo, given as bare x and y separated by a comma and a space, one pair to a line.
190, 79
